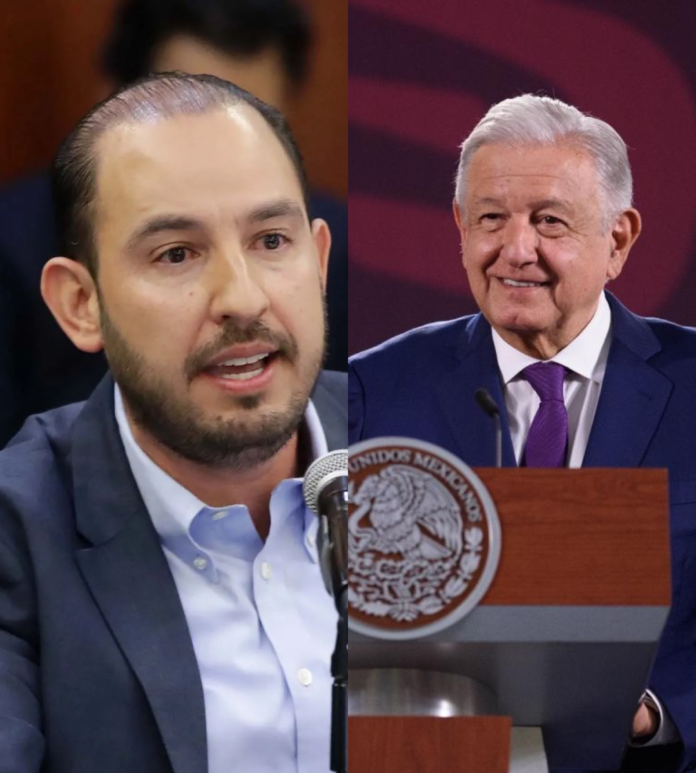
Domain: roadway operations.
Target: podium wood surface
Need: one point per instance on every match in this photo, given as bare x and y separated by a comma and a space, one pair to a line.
581, 537
429, 744
567, 632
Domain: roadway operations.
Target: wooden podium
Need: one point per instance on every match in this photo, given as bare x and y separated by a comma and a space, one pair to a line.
429, 744
564, 638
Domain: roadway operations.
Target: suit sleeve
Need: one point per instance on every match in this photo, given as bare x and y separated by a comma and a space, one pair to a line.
673, 682
356, 405
21, 739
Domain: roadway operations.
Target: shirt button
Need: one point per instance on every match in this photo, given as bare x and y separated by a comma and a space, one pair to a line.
200, 562
304, 676
266, 571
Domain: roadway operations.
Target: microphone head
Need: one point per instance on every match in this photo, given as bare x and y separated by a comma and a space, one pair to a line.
320, 473
484, 399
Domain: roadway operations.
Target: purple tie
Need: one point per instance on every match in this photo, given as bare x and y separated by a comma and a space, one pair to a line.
547, 440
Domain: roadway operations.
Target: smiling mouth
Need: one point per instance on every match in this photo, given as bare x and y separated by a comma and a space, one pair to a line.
516, 283
242, 368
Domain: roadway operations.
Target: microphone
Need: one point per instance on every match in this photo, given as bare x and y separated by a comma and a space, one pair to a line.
325, 491
489, 405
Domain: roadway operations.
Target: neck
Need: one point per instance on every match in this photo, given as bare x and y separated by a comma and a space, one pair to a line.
546, 344
220, 486
538, 347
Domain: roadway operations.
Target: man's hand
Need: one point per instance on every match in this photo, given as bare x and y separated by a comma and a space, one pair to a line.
645, 723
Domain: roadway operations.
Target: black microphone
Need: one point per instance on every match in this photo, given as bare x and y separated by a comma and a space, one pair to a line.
325, 491
489, 405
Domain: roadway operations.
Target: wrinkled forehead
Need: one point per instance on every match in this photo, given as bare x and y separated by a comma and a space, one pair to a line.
562, 169
225, 158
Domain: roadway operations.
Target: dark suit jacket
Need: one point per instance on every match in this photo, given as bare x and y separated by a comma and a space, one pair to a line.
97, 669
422, 384
40, 368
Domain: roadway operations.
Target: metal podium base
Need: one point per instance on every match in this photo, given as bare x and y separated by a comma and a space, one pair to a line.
403, 691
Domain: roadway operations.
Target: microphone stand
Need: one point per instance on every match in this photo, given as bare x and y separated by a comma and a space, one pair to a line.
489, 405
339, 695
333, 555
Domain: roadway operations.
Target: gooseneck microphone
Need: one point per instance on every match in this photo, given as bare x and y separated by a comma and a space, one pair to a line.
325, 491
489, 405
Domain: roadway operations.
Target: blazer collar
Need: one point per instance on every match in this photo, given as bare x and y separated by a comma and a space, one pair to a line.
633, 398
332, 407
472, 366
634, 394
130, 580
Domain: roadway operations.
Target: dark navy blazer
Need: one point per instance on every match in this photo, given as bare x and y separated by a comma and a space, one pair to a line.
97, 669
421, 384
40, 368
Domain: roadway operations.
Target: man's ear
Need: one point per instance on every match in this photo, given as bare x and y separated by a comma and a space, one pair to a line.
624, 232
70, 293
322, 242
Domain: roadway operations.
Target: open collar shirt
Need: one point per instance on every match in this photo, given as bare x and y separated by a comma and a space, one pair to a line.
263, 626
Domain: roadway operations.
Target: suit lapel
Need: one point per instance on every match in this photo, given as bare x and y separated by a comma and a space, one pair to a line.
472, 366
129, 578
633, 398
331, 402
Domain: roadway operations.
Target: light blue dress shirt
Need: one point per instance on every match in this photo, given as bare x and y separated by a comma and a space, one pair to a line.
262, 625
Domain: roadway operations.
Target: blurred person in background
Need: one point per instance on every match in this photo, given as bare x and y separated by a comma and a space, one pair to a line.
262, 46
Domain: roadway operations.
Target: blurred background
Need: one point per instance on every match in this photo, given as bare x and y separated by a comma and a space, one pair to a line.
51, 73
60, 57
421, 77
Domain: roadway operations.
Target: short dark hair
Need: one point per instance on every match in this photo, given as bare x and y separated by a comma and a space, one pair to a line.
238, 27
162, 95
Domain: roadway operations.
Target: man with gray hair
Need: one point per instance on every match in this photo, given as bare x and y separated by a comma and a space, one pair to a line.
161, 605
543, 205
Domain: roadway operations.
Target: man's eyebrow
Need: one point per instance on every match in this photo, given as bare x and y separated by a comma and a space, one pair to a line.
282, 208
163, 223
552, 203
488, 201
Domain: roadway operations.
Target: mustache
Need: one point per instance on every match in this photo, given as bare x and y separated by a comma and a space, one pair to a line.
232, 334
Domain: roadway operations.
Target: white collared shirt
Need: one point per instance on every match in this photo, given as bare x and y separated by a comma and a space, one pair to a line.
586, 359
262, 625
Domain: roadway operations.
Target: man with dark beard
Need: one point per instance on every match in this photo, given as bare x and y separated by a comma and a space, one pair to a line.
161, 606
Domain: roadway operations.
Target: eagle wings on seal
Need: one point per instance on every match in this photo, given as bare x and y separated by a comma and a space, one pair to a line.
406, 509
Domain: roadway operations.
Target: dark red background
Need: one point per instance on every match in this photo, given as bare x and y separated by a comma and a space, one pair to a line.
421, 76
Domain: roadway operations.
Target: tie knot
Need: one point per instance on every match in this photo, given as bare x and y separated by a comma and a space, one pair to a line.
546, 379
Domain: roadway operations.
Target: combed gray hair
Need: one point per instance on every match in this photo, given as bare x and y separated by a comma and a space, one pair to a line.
536, 120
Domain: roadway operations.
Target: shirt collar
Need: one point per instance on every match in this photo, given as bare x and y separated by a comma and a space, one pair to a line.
316, 432
585, 355
173, 508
